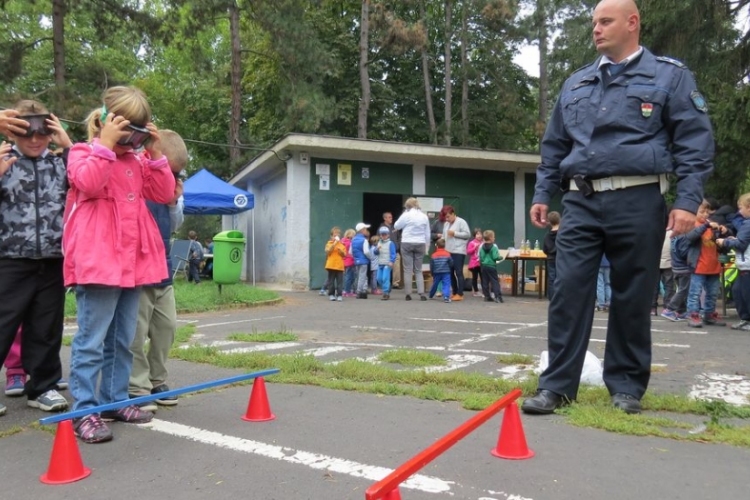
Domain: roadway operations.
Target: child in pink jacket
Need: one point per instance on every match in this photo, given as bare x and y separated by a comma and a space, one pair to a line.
112, 246
472, 252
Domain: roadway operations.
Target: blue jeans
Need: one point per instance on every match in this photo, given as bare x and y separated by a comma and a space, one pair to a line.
384, 278
349, 279
603, 291
699, 282
107, 319
444, 280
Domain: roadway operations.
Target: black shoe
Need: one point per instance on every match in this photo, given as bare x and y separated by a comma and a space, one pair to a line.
488, 299
362, 295
499, 299
408, 297
543, 403
422, 298
627, 403
166, 401
385, 297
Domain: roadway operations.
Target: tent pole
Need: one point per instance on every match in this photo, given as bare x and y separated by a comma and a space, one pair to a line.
253, 245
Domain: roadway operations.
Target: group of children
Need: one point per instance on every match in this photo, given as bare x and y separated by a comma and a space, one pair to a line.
357, 258
695, 270
97, 218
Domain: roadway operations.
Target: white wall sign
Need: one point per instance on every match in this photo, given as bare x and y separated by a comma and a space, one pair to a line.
430, 204
322, 169
365, 172
325, 182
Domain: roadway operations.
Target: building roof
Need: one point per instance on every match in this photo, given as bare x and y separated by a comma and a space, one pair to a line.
351, 149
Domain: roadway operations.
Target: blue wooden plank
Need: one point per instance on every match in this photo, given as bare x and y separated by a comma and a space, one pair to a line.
151, 397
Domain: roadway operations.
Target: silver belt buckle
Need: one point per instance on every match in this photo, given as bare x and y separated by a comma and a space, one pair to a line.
605, 184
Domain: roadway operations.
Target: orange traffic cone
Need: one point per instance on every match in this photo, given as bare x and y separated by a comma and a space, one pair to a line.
393, 495
258, 409
65, 464
511, 443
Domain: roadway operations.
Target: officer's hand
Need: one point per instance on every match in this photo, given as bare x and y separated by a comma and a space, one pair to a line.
720, 242
538, 215
680, 221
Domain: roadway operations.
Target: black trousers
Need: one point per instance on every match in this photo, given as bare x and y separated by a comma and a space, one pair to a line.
457, 278
628, 226
33, 295
335, 282
490, 281
741, 295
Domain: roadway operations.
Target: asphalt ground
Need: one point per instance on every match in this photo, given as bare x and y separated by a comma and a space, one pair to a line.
328, 444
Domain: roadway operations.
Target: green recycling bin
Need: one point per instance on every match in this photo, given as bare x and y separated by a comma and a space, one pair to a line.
229, 247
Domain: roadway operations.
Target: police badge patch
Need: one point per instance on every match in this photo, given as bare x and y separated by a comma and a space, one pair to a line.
646, 109
699, 101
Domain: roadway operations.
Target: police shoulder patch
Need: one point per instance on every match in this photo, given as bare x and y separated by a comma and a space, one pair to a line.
699, 101
670, 61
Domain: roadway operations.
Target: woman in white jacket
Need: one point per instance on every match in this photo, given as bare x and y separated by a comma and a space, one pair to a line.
415, 238
457, 234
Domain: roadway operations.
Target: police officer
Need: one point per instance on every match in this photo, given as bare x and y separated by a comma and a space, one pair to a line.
619, 125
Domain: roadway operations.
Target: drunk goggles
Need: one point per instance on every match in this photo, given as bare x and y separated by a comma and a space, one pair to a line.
138, 135
37, 125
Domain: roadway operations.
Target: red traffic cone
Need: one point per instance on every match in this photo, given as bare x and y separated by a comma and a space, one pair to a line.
393, 495
65, 464
258, 409
511, 443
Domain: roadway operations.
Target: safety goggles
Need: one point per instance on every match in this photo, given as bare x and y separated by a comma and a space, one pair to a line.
37, 125
138, 136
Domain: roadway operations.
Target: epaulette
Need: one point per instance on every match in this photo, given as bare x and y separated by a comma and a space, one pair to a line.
670, 61
582, 68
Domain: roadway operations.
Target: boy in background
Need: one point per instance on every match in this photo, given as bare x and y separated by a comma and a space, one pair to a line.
387, 255
157, 313
441, 269
489, 256
360, 250
550, 250
374, 265
195, 257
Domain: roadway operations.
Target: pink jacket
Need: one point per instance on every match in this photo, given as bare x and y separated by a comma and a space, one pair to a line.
110, 237
472, 250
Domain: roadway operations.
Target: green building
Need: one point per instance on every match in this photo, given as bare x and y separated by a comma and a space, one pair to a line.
306, 184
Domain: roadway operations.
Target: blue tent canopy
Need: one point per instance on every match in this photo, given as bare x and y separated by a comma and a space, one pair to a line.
206, 194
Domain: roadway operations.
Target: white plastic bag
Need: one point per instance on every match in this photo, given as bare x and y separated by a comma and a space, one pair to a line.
591, 373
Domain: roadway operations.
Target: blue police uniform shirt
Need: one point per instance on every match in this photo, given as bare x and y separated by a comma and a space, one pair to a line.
648, 119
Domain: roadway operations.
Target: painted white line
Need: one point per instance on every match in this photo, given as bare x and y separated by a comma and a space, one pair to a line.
259, 348
214, 343
656, 330
404, 330
456, 362
733, 389
209, 325
480, 322
323, 351
427, 484
418, 347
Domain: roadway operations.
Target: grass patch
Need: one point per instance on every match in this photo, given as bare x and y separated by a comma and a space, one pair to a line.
11, 432
190, 298
281, 336
183, 334
476, 391
411, 357
67, 340
515, 359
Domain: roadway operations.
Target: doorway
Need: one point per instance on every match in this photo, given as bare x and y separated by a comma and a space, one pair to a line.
374, 204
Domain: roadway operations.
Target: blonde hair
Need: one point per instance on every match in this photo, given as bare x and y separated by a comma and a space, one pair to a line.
488, 235
128, 102
744, 200
349, 233
173, 147
335, 229
30, 107
411, 203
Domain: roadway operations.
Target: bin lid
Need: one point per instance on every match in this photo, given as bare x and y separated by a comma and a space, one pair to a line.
231, 236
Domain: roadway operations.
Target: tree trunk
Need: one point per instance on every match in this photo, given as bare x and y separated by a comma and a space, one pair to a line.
448, 82
364, 74
58, 44
427, 83
543, 76
464, 78
236, 106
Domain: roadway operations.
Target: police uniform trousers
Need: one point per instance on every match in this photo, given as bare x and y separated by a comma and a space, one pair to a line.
33, 296
627, 225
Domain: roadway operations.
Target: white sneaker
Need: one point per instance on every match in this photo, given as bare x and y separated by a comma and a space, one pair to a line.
49, 401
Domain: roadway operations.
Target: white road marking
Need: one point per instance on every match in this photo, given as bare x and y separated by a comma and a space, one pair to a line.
323, 351
209, 325
259, 348
734, 389
480, 322
318, 461
387, 329
455, 362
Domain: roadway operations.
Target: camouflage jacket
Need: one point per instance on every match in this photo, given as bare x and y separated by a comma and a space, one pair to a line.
32, 200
